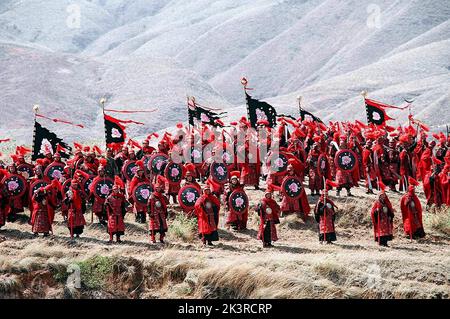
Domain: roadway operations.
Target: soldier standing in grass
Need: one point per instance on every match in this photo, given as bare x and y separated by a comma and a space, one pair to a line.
207, 210
325, 215
268, 211
116, 210
42, 212
412, 212
157, 210
74, 200
382, 215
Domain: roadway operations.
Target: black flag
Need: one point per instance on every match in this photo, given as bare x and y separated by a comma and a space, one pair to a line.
376, 113
44, 139
303, 113
203, 115
260, 111
114, 131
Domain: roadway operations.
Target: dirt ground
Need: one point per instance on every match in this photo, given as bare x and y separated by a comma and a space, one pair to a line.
237, 266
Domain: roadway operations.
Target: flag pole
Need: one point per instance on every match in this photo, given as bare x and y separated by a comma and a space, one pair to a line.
36, 108
364, 95
299, 99
102, 102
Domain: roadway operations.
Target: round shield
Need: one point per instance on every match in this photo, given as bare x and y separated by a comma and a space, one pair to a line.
187, 196
86, 183
66, 185
129, 169
292, 187
36, 185
158, 163
346, 160
173, 172
102, 187
322, 165
26, 170
54, 171
141, 193
238, 201
219, 172
15, 185
277, 163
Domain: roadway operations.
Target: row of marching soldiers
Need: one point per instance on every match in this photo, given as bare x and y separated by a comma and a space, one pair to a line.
400, 157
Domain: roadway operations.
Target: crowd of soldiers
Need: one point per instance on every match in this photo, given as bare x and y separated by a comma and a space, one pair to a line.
144, 180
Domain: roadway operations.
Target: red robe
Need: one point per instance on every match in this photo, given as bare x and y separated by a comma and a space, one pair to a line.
190, 212
432, 186
208, 217
300, 205
115, 209
98, 205
445, 182
412, 215
369, 167
267, 220
325, 216
315, 181
382, 219
42, 214
239, 219
75, 218
158, 212
138, 207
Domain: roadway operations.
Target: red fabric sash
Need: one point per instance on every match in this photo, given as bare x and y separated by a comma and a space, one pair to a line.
59, 120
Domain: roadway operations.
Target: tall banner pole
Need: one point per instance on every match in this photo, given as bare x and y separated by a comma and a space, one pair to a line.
36, 108
364, 95
102, 102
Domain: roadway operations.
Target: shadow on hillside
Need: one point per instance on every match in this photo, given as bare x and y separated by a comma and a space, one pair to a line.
16, 234
288, 249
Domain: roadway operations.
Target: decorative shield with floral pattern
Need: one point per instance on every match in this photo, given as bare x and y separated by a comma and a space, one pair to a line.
141, 193
15, 185
173, 172
238, 201
103, 187
277, 163
346, 160
219, 172
54, 171
129, 170
187, 196
158, 163
292, 187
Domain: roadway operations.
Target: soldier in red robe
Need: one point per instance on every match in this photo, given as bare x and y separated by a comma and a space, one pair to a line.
139, 209
432, 185
289, 205
75, 200
382, 215
344, 178
369, 167
325, 215
412, 212
116, 210
315, 181
234, 219
268, 211
16, 205
207, 209
42, 212
157, 210
98, 207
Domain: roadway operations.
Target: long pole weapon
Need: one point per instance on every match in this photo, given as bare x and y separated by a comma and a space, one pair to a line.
325, 193
102, 102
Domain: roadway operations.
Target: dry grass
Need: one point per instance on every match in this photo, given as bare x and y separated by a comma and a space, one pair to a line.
237, 266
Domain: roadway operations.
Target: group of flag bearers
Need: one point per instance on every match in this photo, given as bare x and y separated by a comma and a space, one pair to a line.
144, 180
